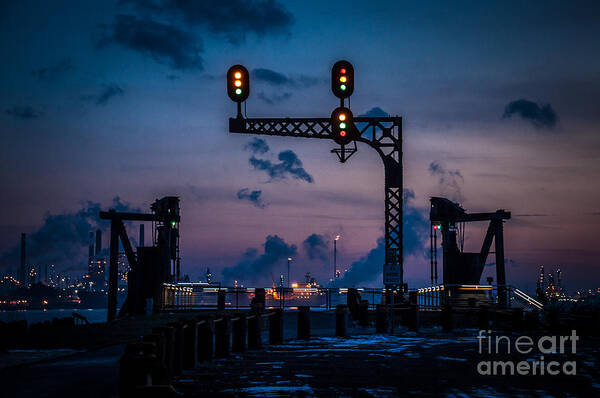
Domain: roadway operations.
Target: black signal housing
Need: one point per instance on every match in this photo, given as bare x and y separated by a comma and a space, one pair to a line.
238, 83
342, 79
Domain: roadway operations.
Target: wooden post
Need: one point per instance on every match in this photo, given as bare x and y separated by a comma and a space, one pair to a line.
363, 313
254, 331
276, 326
221, 300
381, 319
169, 345
222, 337
239, 333
447, 318
190, 348
304, 323
178, 337
158, 339
205, 340
341, 320
257, 305
413, 318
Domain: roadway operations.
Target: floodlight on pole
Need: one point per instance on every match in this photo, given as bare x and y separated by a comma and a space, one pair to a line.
288, 276
337, 237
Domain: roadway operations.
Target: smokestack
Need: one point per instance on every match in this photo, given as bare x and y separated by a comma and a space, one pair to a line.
91, 247
98, 241
23, 259
142, 235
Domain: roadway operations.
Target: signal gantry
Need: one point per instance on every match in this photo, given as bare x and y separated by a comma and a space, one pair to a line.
384, 134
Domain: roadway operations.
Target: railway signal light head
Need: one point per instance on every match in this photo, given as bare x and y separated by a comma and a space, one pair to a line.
343, 130
342, 79
238, 83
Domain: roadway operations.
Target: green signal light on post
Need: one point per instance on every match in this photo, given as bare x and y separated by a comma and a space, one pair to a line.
238, 91
173, 224
343, 87
342, 125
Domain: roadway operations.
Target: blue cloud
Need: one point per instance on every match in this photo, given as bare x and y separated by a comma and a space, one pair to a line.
540, 116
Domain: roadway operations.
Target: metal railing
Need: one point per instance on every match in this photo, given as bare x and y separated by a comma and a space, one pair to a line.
469, 296
190, 296
528, 299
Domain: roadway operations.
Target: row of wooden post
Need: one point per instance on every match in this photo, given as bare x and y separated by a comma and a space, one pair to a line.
149, 364
170, 349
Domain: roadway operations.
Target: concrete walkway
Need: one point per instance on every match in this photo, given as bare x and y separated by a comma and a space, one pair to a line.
423, 364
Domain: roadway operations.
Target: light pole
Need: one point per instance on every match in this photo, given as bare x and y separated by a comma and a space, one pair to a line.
288, 281
337, 237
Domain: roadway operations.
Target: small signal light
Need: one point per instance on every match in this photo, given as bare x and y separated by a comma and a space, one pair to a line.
238, 83
343, 130
342, 79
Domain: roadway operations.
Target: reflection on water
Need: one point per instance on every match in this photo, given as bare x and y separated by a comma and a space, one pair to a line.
93, 315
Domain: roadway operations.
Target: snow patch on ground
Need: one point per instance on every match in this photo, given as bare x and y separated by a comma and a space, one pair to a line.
380, 392
452, 359
269, 363
273, 391
483, 392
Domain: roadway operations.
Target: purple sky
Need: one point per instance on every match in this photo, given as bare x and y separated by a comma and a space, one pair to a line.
128, 99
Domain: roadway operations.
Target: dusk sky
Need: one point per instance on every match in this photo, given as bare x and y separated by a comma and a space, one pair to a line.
500, 104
